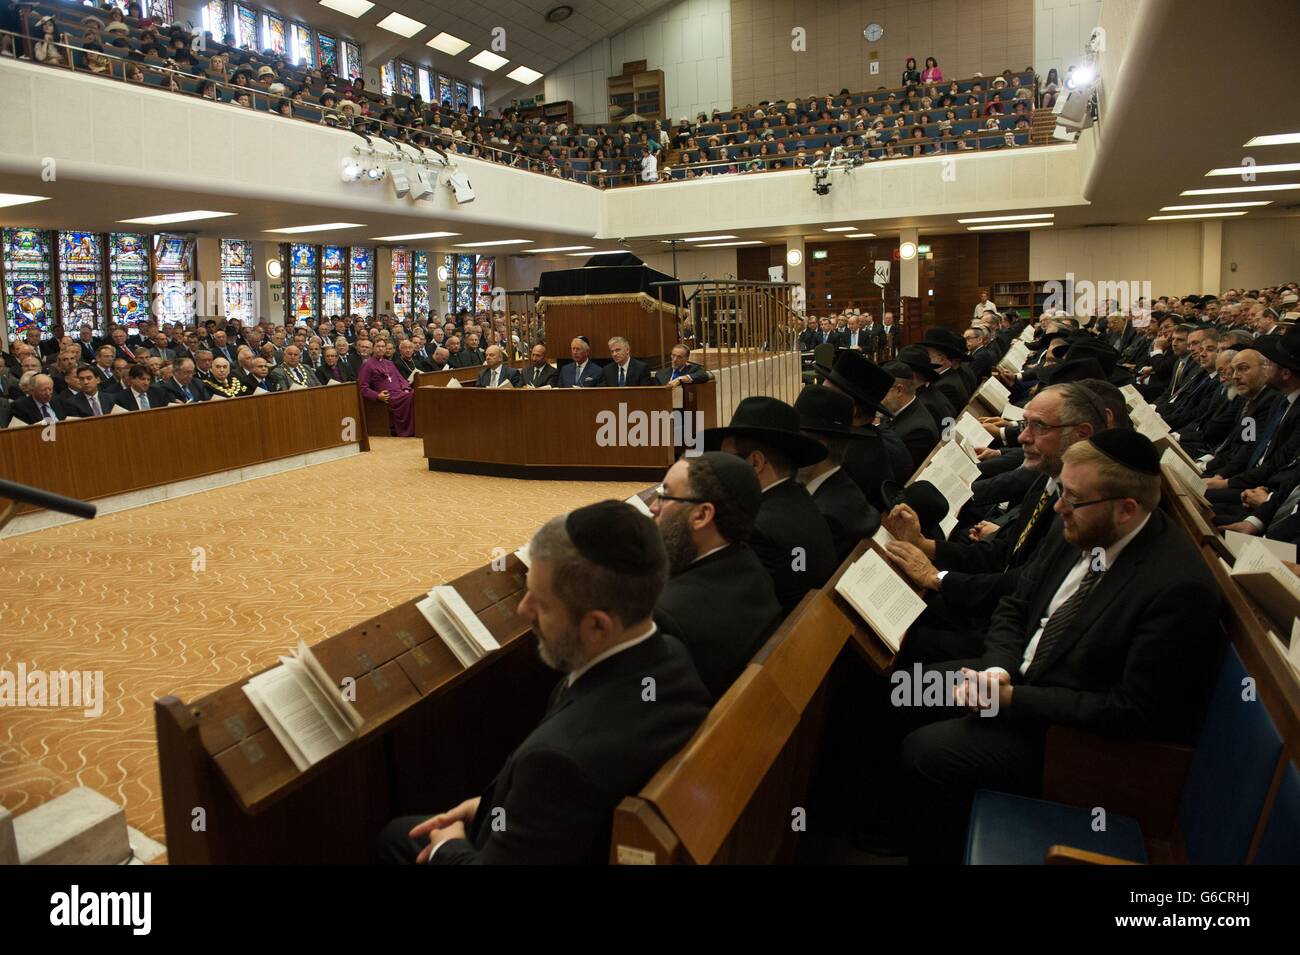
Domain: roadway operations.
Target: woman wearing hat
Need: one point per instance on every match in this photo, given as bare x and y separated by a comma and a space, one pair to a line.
47, 49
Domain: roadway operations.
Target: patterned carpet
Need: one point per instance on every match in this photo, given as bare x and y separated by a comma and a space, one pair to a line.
302, 554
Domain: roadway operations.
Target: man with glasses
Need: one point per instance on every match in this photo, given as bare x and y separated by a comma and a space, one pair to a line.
719, 600
1112, 631
968, 578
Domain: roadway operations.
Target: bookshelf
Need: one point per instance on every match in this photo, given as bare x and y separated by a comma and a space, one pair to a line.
636, 90
561, 111
1027, 298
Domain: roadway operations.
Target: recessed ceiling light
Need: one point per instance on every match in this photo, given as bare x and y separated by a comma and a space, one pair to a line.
171, 217
484, 245
412, 236
719, 245
488, 60
559, 248
1255, 168
1277, 139
446, 43
861, 235
401, 25
709, 238
585, 255
1198, 215
1228, 190
1007, 225
1215, 205
353, 8
1021, 218
323, 227
523, 74
842, 228
17, 199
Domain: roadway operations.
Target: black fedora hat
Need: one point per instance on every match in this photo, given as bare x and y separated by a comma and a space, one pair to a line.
1281, 349
1045, 341
824, 410
945, 340
924, 498
918, 359
770, 421
1096, 349
860, 378
1072, 369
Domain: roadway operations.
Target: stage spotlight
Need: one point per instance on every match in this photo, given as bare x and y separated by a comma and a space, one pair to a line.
375, 173
1081, 77
352, 170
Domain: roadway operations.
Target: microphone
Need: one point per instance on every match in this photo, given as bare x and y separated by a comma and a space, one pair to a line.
25, 494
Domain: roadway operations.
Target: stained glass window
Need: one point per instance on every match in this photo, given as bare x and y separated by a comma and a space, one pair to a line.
447, 291
426, 85
128, 276
173, 265
81, 281
465, 282
238, 289
27, 281
273, 37
214, 19
302, 51
386, 81
328, 51
352, 67
462, 95
361, 282
484, 275
245, 27
401, 283
406, 75
421, 272
444, 90
303, 283
161, 10
476, 96
333, 267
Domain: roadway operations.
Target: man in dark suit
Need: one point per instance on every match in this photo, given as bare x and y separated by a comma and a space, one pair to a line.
87, 401
911, 420
583, 372
981, 358
496, 371
1250, 371
827, 416
879, 455
719, 600
888, 337
924, 375
790, 535
1114, 631
291, 371
407, 361
140, 393
947, 349
123, 349
624, 371
808, 337
682, 371
539, 373
471, 353
553, 801
221, 348
87, 345
259, 377
183, 386
39, 405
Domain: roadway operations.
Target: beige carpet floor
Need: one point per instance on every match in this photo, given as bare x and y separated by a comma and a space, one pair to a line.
189, 595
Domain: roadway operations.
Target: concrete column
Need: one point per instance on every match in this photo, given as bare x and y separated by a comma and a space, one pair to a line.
1211, 257
384, 280
207, 270
435, 286
797, 273
909, 273
270, 291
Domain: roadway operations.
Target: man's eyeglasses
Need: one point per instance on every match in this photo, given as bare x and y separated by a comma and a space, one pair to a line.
661, 494
1034, 426
1070, 504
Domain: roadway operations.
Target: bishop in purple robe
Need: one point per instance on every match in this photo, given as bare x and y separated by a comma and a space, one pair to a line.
381, 381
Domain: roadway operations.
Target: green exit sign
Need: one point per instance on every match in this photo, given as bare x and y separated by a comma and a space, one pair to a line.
923, 249
820, 254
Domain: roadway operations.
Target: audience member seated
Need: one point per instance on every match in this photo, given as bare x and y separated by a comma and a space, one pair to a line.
496, 372
682, 371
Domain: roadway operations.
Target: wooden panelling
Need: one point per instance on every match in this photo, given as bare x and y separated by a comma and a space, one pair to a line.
752, 262
90, 458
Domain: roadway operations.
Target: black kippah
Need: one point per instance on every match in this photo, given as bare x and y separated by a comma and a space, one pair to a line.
1132, 450
615, 535
737, 478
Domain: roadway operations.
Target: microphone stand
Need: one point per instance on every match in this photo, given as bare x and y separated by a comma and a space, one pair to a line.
17, 494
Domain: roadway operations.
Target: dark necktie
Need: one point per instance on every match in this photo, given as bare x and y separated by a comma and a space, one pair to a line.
185, 390
1264, 440
621, 378
94, 405
1059, 622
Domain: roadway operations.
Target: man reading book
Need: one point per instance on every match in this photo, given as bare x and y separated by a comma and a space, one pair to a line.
630, 698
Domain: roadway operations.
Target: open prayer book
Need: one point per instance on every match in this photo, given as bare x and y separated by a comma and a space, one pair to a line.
994, 394
1181, 474
1262, 574
458, 626
1236, 542
972, 432
946, 475
882, 598
1015, 357
303, 707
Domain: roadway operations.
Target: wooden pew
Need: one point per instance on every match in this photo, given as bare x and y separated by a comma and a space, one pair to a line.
92, 458
434, 733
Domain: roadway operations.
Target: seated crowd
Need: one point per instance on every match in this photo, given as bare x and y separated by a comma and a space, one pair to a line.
924, 115
1065, 596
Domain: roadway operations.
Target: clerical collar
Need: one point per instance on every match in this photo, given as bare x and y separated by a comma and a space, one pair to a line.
625, 645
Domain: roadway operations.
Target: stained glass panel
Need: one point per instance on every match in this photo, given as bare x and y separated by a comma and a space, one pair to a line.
421, 271
401, 283
173, 271
462, 95
485, 274
465, 283
333, 258
302, 51
245, 27
444, 90
273, 33
386, 82
214, 19
81, 287
406, 74
304, 295
238, 289
352, 56
128, 273
361, 282
27, 281
328, 51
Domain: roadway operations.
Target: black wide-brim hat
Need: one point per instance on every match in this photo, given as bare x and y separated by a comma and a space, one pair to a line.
824, 410
918, 359
1281, 349
770, 421
860, 378
945, 340
924, 498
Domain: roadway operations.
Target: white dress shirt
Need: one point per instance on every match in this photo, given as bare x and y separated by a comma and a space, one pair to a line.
819, 480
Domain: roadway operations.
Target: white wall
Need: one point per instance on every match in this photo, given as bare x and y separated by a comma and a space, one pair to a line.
689, 40
1265, 252
1166, 255
1061, 31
